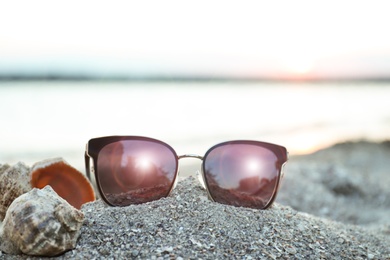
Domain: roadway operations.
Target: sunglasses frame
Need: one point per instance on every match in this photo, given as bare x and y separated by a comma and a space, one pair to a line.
95, 145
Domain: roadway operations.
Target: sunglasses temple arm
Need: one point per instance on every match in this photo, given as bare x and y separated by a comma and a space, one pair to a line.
87, 168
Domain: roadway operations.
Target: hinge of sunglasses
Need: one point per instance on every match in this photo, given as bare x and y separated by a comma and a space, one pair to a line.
282, 170
200, 178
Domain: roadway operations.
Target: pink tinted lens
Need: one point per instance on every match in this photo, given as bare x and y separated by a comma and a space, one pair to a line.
244, 175
135, 171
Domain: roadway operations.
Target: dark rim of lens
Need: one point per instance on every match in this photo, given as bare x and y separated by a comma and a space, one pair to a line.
95, 145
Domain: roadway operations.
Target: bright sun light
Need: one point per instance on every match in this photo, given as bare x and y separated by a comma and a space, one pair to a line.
301, 67
253, 165
298, 60
143, 163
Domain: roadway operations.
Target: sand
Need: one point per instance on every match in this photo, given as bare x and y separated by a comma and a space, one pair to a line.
333, 204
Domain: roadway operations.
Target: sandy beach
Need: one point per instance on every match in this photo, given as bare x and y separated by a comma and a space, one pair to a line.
333, 204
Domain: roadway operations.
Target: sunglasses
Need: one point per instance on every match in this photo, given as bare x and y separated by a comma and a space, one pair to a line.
134, 169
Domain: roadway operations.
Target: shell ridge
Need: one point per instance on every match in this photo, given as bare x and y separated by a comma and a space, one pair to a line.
45, 163
65, 219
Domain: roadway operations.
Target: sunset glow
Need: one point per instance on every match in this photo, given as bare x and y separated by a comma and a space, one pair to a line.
295, 66
231, 38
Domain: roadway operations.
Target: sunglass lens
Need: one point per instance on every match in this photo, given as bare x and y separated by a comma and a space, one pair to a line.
135, 171
242, 174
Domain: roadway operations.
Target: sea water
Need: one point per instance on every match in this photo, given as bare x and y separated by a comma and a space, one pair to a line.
40, 120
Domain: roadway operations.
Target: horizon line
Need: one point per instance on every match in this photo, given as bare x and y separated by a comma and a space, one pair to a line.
185, 78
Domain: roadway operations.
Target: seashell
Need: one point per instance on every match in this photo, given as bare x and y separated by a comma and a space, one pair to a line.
14, 181
3, 167
40, 223
68, 182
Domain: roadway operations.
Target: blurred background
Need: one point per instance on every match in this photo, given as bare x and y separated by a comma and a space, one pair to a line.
302, 74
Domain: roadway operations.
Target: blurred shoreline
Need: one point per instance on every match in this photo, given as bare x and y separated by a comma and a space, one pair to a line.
58, 77
45, 119
187, 167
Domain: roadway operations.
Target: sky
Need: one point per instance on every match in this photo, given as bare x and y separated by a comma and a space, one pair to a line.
273, 39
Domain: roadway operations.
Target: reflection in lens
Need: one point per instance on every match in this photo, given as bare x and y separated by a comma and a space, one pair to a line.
242, 174
143, 163
253, 165
135, 171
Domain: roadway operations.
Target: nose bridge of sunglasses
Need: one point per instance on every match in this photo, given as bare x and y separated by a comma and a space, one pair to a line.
190, 167
191, 156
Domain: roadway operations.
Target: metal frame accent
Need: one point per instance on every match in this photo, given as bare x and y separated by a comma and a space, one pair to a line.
190, 156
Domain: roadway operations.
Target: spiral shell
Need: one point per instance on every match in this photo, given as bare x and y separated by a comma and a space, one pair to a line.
40, 223
14, 181
67, 182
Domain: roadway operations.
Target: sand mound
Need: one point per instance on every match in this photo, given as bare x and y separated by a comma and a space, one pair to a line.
348, 183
